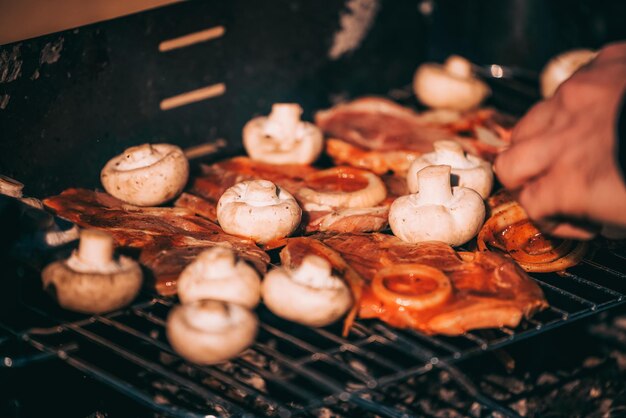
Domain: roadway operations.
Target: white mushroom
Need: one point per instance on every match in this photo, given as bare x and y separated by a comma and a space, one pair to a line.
449, 86
217, 274
282, 138
259, 210
467, 170
438, 212
209, 331
92, 280
310, 294
562, 67
342, 187
146, 175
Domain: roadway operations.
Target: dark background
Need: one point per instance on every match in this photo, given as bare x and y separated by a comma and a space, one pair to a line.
70, 101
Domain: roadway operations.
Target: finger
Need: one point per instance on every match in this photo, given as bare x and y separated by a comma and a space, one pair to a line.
541, 199
553, 195
525, 160
536, 120
574, 231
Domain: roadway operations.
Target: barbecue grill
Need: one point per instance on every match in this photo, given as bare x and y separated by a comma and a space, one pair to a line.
193, 73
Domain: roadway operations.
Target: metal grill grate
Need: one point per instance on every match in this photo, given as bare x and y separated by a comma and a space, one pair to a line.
293, 370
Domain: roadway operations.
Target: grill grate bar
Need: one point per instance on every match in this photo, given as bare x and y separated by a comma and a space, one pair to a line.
119, 384
296, 390
147, 315
566, 293
579, 279
423, 354
345, 346
480, 342
435, 342
604, 268
156, 368
288, 337
208, 370
310, 374
348, 346
618, 254
564, 314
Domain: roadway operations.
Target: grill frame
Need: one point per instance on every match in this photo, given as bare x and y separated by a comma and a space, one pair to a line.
49, 322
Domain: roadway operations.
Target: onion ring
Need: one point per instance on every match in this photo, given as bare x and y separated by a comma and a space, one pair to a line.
414, 301
371, 194
510, 230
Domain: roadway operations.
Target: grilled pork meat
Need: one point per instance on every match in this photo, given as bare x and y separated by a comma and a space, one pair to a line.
206, 190
429, 286
381, 136
169, 238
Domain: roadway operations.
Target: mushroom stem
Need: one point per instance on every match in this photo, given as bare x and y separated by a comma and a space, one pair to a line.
315, 272
140, 156
141, 152
452, 152
458, 66
220, 260
434, 184
283, 121
260, 192
95, 247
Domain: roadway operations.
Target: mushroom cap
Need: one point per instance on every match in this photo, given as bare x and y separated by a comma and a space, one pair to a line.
414, 222
449, 86
308, 295
210, 332
467, 170
93, 292
438, 212
561, 67
298, 143
259, 210
217, 274
146, 175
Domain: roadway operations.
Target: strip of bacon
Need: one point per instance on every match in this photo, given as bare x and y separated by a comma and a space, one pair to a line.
380, 135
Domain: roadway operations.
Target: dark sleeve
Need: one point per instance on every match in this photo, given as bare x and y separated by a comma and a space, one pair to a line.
621, 137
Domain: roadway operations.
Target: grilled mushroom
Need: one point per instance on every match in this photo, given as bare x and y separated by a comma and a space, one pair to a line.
449, 86
562, 67
209, 331
146, 175
92, 280
468, 171
258, 210
217, 274
282, 138
310, 294
438, 212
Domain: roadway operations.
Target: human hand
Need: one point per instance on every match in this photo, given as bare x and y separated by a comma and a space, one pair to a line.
562, 160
